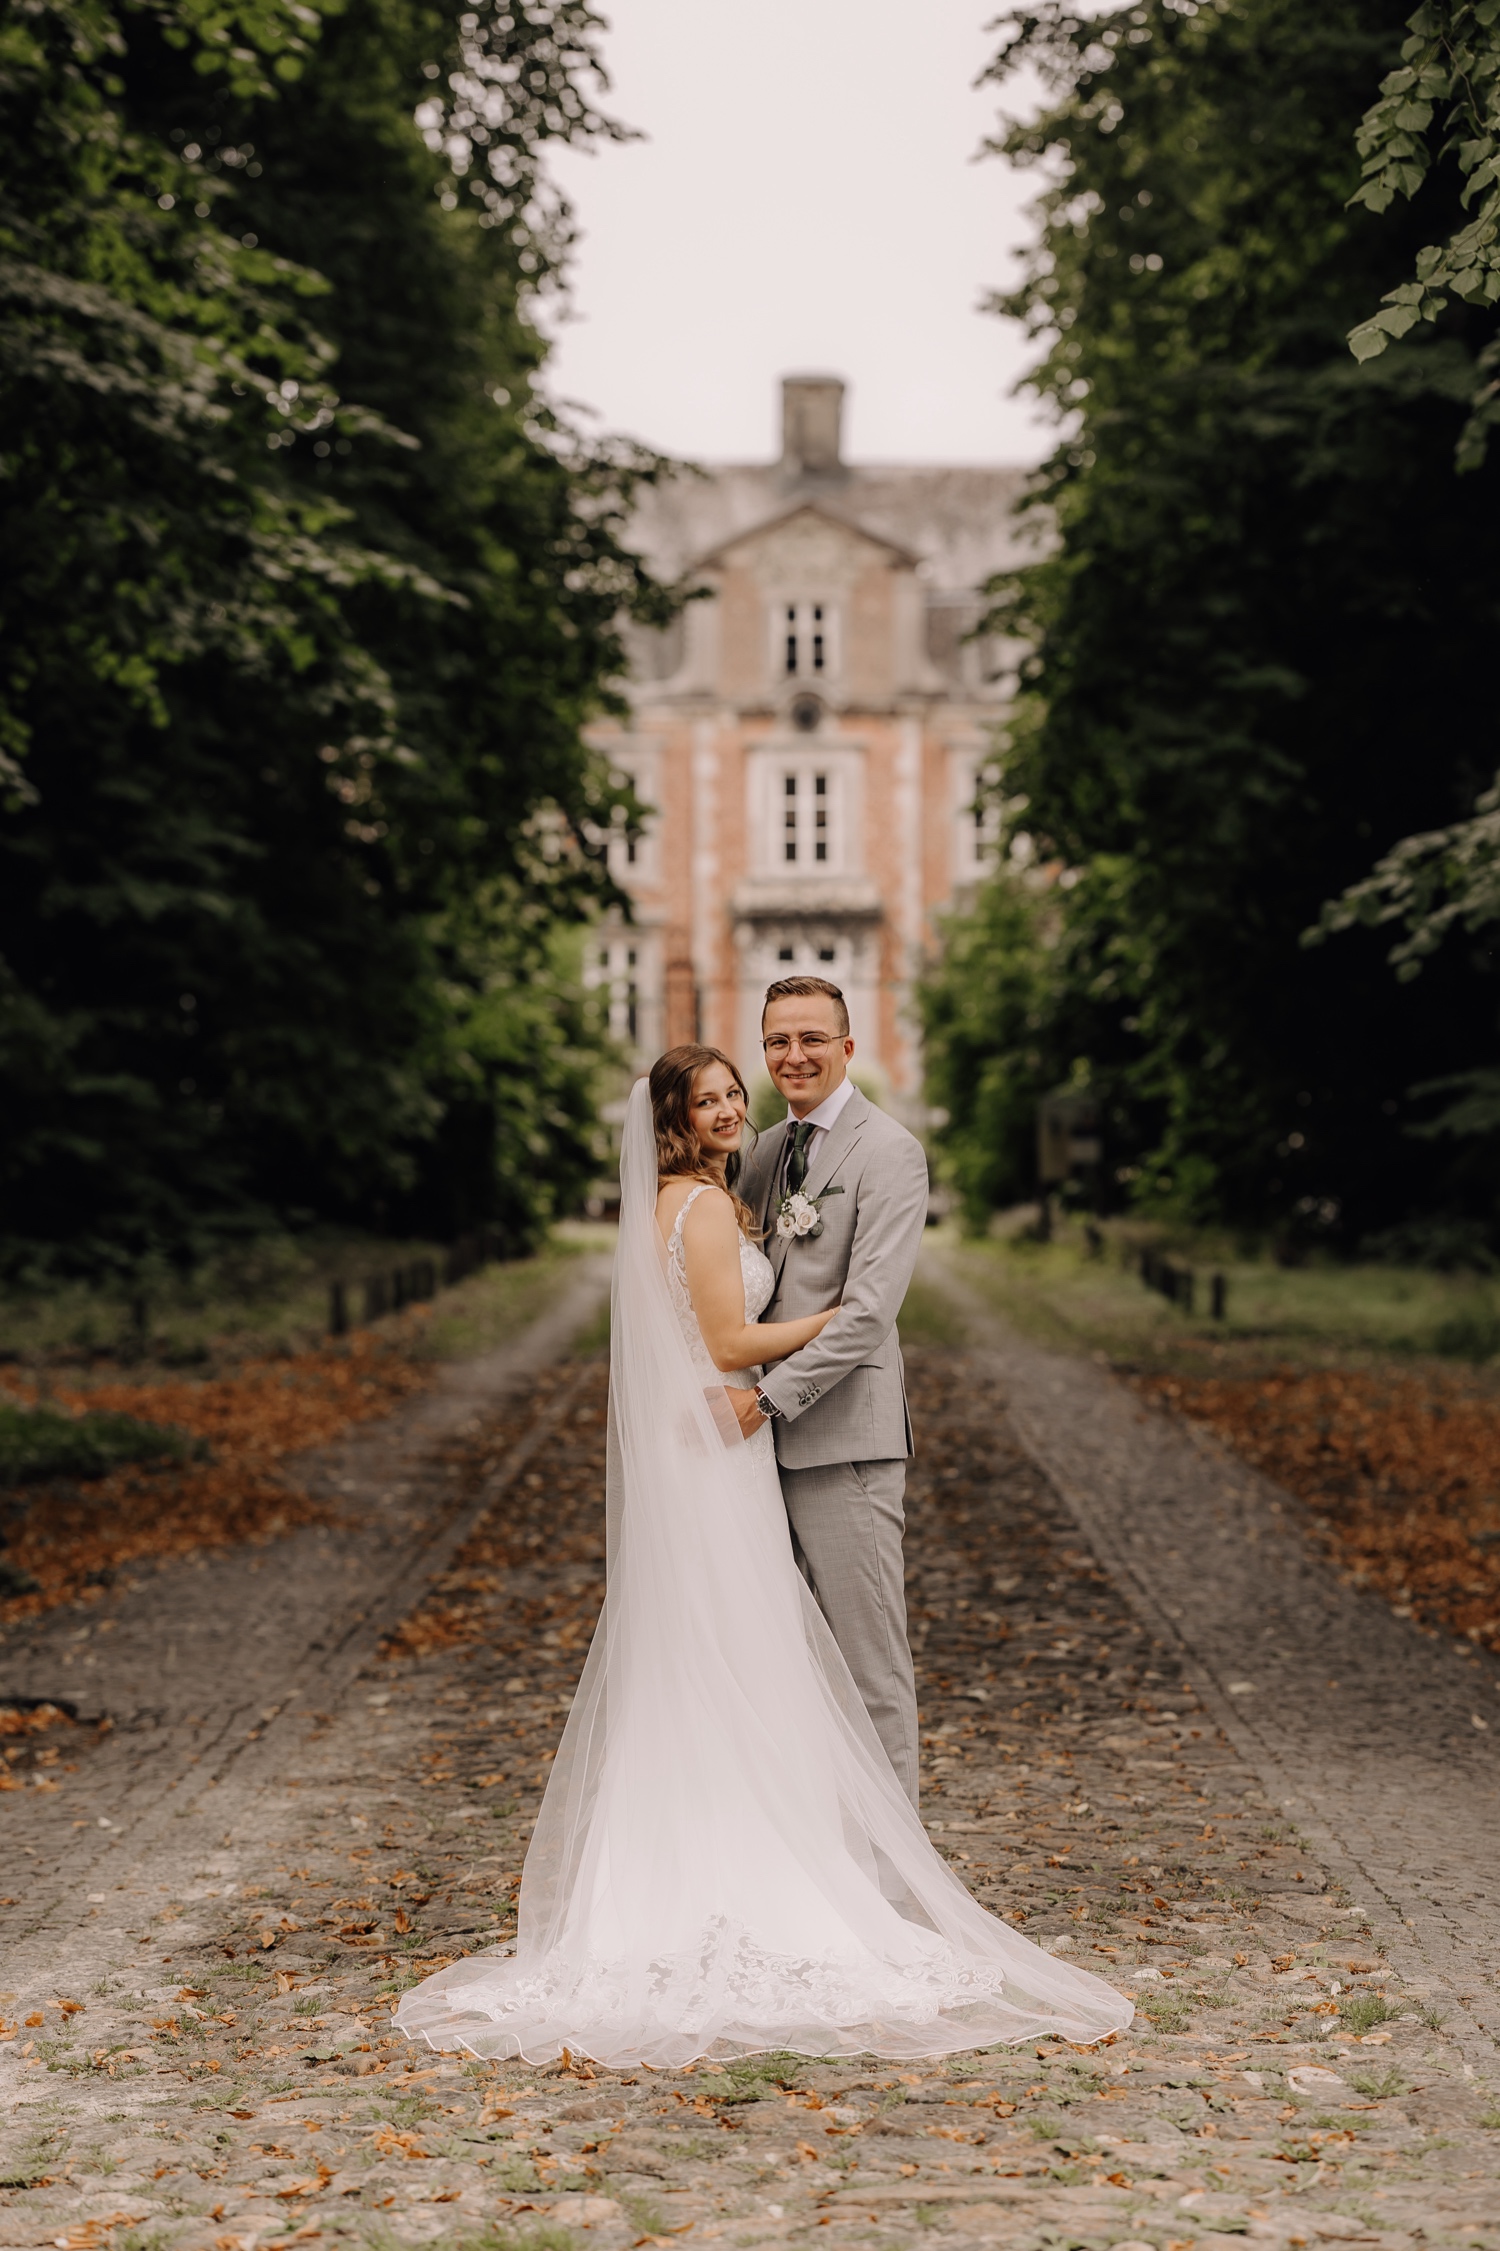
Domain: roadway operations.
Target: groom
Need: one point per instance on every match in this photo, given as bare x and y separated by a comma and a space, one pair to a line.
838, 1407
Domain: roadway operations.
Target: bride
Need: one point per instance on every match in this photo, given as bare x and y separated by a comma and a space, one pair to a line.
724, 1860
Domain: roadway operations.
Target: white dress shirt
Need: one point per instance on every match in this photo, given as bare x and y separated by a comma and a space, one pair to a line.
822, 1120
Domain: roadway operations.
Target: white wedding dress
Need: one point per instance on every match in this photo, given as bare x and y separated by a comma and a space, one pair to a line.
724, 1861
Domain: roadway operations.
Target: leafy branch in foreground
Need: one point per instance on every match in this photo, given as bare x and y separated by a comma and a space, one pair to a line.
519, 78
1443, 101
1430, 883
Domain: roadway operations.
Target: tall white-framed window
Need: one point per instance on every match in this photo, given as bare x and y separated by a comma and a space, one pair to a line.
976, 815
804, 805
615, 970
806, 828
804, 636
636, 857
627, 851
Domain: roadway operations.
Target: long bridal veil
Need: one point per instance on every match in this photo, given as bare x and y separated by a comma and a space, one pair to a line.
724, 1861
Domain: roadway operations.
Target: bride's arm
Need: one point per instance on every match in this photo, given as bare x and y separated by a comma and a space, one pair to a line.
711, 1253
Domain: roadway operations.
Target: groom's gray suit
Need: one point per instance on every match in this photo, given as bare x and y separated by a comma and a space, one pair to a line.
843, 1435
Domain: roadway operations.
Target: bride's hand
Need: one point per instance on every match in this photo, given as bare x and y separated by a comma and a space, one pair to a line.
746, 1410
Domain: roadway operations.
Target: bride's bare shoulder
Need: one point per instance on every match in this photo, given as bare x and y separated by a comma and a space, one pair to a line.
673, 1192
710, 1209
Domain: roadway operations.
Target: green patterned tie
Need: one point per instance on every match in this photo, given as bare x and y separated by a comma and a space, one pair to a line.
796, 1171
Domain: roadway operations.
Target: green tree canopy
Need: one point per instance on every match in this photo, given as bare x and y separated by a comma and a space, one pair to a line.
306, 597
1259, 637
1446, 91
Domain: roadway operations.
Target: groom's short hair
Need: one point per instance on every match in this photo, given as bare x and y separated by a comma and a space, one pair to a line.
804, 988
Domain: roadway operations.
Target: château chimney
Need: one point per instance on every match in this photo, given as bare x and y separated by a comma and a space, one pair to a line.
812, 412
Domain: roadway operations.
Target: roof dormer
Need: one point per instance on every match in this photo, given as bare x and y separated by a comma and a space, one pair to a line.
809, 600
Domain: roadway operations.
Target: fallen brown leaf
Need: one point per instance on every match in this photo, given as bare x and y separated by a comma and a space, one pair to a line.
390, 2143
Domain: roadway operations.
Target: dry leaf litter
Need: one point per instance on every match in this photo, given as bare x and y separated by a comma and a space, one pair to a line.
1402, 1474
75, 1539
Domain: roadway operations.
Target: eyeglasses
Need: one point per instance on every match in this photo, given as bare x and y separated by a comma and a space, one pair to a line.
812, 1044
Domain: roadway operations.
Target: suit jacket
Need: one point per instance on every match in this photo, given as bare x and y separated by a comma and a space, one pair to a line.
842, 1398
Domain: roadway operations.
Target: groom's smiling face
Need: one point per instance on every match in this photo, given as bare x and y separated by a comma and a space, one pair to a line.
806, 1076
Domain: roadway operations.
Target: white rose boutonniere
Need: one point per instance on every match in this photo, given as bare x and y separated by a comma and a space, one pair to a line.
799, 1215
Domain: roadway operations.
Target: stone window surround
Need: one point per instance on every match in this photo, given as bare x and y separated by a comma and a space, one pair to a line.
974, 841
638, 758
768, 762
625, 960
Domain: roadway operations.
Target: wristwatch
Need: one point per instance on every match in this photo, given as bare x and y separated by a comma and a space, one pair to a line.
768, 1407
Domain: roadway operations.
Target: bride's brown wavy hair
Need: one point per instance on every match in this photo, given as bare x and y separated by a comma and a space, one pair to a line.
679, 1153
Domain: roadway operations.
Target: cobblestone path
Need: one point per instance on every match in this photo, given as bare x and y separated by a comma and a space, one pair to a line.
205, 2057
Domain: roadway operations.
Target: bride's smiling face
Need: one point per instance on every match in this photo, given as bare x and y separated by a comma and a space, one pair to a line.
717, 1111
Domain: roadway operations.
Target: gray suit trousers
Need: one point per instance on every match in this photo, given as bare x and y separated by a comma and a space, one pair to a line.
847, 1520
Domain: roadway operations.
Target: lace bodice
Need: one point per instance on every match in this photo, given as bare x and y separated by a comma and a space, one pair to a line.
755, 1272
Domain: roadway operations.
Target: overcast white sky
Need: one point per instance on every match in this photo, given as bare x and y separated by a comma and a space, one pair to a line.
806, 200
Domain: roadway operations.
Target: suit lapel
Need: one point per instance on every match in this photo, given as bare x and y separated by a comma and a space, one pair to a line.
773, 1143
775, 1244
837, 1143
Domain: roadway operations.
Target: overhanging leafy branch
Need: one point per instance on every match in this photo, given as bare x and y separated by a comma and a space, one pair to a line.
1431, 883
1444, 101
